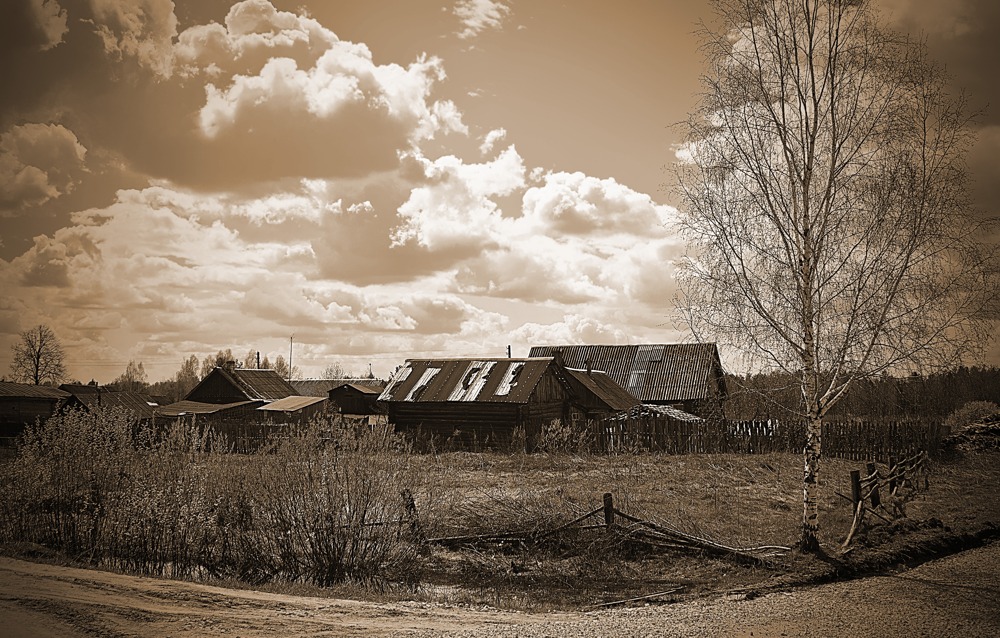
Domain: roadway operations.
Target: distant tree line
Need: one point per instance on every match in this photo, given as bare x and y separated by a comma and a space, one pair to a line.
778, 395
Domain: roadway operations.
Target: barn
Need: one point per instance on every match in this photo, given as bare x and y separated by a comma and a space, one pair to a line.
481, 402
686, 376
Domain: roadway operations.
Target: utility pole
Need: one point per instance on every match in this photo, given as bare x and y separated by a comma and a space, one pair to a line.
290, 342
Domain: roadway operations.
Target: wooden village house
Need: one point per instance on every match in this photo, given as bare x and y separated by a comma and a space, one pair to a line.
685, 376
243, 403
481, 402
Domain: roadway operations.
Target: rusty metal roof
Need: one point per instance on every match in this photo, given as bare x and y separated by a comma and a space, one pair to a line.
480, 380
605, 388
30, 391
650, 372
291, 404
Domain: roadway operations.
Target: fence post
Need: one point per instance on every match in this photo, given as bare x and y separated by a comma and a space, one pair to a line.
609, 510
876, 498
855, 487
892, 475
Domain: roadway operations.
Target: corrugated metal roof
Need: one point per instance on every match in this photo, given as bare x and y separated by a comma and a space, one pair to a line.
291, 404
604, 387
480, 380
197, 407
27, 390
650, 372
322, 387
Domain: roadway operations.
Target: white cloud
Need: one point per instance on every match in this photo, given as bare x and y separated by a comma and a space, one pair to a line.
38, 162
491, 139
477, 16
457, 208
51, 19
142, 29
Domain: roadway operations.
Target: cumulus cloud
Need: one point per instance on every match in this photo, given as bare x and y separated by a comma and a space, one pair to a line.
38, 162
571, 239
192, 276
50, 18
573, 329
253, 31
491, 139
477, 16
458, 208
139, 29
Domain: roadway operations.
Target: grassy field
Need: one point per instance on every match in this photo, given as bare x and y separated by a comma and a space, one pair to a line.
736, 500
326, 512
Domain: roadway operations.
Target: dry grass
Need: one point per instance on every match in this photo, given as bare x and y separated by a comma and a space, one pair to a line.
298, 514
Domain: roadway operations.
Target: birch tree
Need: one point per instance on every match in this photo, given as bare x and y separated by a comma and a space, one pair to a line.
825, 205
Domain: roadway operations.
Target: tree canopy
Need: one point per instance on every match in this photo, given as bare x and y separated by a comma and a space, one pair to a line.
38, 357
826, 207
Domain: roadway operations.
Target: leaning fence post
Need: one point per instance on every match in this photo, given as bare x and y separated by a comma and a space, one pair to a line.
855, 487
875, 497
609, 510
892, 475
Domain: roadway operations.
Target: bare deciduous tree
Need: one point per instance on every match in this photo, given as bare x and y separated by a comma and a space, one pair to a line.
825, 205
38, 357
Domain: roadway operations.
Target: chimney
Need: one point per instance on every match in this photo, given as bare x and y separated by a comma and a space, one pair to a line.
558, 356
590, 367
229, 365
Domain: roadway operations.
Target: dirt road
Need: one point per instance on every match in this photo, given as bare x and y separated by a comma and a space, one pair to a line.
958, 595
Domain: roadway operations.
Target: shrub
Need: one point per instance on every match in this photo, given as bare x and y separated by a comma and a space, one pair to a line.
323, 503
970, 413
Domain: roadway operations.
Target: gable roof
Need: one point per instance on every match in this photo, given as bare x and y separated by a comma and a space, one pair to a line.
604, 388
322, 387
92, 397
255, 385
650, 372
481, 380
31, 391
357, 387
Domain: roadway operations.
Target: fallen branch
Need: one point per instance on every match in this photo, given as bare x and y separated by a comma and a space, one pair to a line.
632, 600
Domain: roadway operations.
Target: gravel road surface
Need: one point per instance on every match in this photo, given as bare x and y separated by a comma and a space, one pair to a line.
954, 596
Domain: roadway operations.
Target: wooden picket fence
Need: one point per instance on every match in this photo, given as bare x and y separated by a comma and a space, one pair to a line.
858, 440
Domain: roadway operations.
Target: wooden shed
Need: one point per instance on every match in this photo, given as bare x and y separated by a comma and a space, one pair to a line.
481, 402
356, 398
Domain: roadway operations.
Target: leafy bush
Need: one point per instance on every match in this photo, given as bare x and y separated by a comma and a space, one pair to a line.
970, 413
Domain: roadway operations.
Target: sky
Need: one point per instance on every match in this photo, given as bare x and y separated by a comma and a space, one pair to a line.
364, 181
